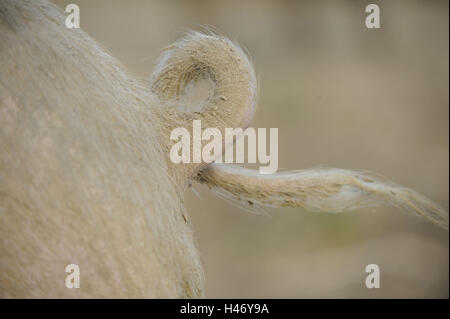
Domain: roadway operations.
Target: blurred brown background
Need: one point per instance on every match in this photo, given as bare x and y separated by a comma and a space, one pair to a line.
342, 96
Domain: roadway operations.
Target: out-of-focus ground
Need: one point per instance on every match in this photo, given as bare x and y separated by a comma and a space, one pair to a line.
342, 96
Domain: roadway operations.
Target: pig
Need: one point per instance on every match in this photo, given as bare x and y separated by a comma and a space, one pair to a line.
85, 173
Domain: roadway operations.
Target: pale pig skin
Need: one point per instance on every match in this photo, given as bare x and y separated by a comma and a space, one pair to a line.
85, 176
